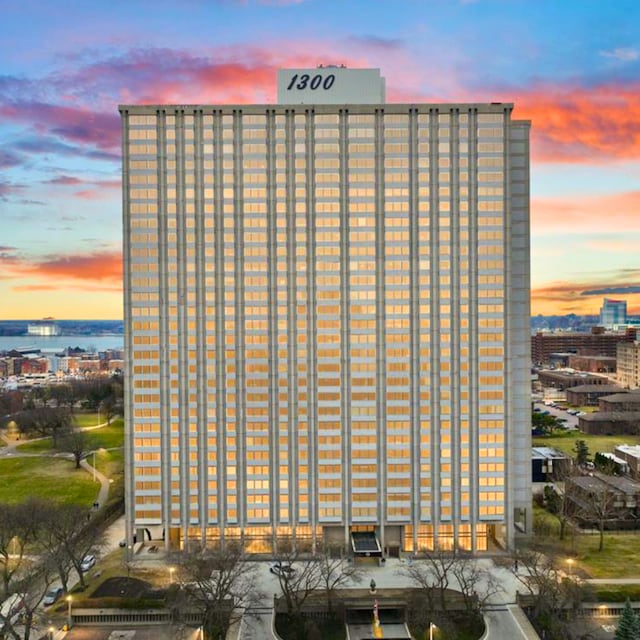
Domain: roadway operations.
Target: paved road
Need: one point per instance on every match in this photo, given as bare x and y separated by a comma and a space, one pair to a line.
570, 421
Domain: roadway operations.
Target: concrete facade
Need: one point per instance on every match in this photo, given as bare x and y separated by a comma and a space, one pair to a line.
327, 323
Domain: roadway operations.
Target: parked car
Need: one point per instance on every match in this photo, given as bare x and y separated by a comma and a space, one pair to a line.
87, 563
52, 596
10, 610
279, 569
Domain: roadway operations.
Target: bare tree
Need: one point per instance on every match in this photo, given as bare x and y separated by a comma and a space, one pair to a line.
44, 421
560, 505
108, 408
219, 584
50, 545
18, 528
553, 594
476, 584
432, 575
71, 536
63, 395
75, 441
299, 579
335, 572
38, 396
596, 502
10, 402
35, 580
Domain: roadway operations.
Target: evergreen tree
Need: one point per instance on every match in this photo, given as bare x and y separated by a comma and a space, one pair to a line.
582, 452
628, 624
636, 626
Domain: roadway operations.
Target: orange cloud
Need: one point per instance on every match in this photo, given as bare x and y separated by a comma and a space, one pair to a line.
561, 297
96, 266
102, 268
582, 124
587, 214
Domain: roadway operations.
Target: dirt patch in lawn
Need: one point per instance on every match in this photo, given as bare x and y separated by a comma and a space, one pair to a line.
121, 587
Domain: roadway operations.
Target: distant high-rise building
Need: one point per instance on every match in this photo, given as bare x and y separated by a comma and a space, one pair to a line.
327, 319
613, 313
44, 327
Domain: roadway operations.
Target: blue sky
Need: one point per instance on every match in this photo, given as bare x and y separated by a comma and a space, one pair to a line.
573, 68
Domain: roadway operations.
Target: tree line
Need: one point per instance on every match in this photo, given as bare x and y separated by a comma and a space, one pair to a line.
42, 542
50, 411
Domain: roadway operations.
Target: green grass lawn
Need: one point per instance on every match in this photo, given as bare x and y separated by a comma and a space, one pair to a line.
109, 463
46, 478
35, 446
105, 437
566, 441
87, 419
620, 557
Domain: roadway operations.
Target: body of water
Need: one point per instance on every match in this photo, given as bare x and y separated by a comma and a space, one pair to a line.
53, 344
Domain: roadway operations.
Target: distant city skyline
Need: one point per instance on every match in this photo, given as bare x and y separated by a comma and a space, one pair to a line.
573, 68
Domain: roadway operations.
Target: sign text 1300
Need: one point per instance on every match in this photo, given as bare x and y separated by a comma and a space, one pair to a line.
305, 81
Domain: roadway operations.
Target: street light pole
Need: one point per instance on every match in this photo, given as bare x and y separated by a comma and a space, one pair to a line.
94, 465
69, 598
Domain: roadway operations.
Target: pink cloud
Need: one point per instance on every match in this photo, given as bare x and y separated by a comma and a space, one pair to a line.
589, 214
65, 180
89, 194
571, 123
78, 125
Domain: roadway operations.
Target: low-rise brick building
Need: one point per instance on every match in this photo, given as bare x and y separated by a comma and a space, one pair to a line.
613, 499
609, 423
598, 342
593, 364
562, 379
623, 401
588, 395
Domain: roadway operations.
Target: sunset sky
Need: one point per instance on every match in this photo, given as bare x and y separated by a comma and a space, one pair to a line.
572, 67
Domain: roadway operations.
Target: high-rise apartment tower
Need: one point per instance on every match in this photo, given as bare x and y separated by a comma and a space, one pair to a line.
327, 319
613, 313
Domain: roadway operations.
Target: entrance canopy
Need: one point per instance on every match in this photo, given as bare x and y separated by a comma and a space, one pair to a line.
365, 543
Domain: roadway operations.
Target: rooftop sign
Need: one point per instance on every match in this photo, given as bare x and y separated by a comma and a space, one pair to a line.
330, 85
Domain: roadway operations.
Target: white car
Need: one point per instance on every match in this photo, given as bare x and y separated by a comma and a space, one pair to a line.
87, 563
52, 596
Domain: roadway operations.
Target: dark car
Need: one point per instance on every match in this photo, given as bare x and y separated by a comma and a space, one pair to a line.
279, 569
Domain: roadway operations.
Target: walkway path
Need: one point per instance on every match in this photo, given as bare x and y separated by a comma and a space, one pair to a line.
11, 450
